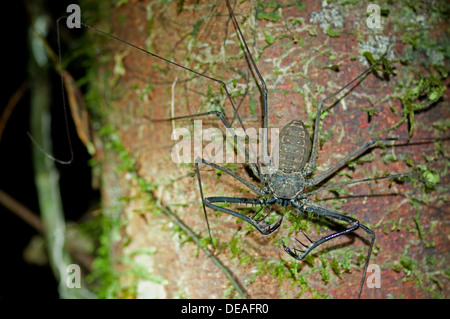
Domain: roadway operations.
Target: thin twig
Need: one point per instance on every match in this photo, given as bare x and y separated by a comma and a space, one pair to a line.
20, 210
32, 219
15, 98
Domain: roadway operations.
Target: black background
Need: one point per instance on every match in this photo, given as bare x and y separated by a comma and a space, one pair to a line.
18, 278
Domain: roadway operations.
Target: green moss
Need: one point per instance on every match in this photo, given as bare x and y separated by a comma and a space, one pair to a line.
417, 95
414, 272
270, 10
104, 278
334, 67
335, 266
229, 292
324, 273
428, 174
269, 39
120, 2
270, 16
332, 33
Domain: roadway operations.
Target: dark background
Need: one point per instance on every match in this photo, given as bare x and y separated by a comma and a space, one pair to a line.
20, 279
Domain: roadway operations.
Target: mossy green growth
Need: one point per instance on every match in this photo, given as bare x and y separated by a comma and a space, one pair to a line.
383, 64
414, 271
104, 278
324, 273
269, 38
417, 95
429, 175
270, 10
333, 33
426, 50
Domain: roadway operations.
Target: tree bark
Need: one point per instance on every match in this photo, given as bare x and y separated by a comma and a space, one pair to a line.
305, 51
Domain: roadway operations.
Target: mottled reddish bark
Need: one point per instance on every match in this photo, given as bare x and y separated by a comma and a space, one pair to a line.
295, 68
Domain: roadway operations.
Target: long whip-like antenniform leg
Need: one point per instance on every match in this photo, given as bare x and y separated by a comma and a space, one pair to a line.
309, 168
263, 83
370, 179
316, 180
251, 186
251, 158
197, 171
224, 86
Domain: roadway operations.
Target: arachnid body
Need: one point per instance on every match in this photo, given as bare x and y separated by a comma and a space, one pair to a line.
293, 102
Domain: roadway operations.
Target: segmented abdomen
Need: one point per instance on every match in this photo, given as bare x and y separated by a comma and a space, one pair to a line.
294, 147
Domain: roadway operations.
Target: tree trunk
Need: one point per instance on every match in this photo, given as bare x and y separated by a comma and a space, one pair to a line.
305, 51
